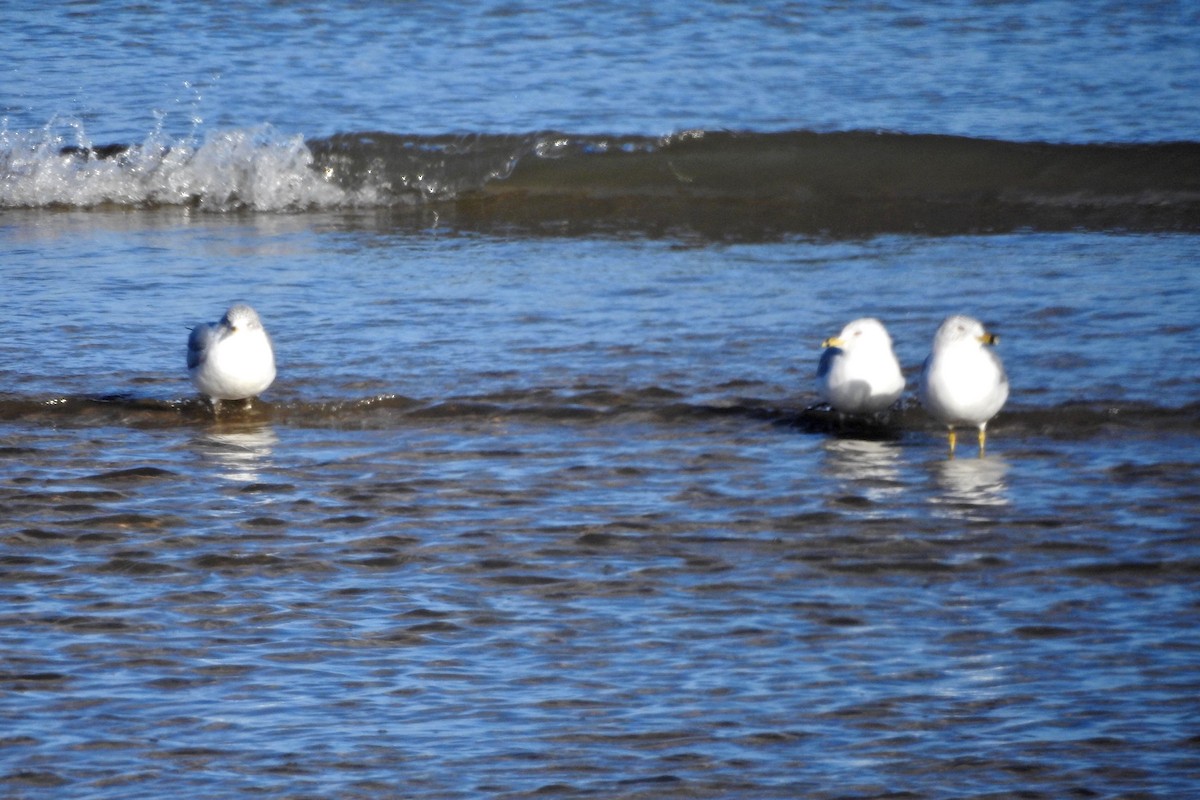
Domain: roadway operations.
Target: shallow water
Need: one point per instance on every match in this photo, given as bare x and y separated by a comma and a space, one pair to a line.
546, 508
555, 515
488, 607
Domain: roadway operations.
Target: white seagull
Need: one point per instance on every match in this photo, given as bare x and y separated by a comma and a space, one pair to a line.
231, 359
962, 383
858, 372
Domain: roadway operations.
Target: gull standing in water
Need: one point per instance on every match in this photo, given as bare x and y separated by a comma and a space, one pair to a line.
962, 383
231, 359
858, 372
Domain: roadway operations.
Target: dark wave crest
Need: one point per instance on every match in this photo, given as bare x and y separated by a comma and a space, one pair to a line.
757, 184
712, 183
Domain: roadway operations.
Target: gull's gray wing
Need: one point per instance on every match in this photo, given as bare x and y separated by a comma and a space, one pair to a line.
198, 342
999, 366
826, 362
923, 378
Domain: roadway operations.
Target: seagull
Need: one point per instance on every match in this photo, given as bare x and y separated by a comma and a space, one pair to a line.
961, 382
858, 372
232, 358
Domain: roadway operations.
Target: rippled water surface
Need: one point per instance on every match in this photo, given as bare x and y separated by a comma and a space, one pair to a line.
549, 510
552, 516
1028, 70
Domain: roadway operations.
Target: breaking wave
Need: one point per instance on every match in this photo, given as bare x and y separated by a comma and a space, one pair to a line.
714, 182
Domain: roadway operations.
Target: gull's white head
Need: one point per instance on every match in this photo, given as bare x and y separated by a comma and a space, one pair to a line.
961, 329
241, 317
867, 333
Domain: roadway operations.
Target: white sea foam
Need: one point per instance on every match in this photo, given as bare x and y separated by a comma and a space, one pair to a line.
254, 168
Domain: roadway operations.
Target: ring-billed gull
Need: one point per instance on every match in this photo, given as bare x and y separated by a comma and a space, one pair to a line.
231, 359
962, 382
858, 372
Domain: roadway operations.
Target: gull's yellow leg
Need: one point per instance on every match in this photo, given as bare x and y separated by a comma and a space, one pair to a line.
953, 441
982, 438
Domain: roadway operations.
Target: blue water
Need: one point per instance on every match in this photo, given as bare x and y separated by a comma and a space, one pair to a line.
1029, 70
548, 514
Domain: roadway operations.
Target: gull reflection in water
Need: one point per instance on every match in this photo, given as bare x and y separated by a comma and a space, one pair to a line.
971, 483
872, 466
240, 449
